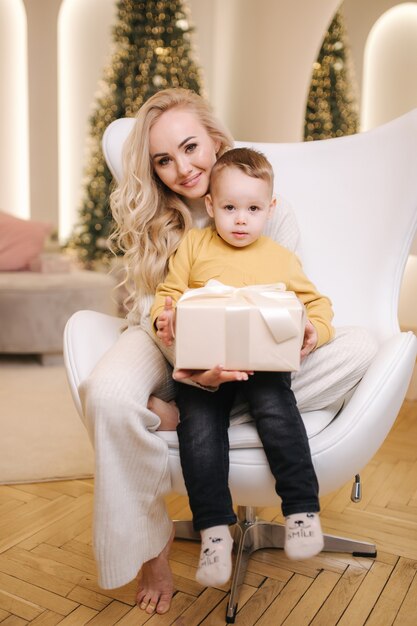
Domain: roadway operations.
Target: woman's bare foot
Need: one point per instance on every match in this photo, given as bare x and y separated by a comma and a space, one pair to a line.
155, 583
166, 411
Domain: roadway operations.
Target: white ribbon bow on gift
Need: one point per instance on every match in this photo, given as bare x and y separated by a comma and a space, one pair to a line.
278, 319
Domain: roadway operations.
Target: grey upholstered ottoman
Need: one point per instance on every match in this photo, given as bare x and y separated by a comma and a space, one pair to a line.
34, 308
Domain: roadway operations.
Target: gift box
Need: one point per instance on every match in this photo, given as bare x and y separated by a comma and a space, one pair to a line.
258, 328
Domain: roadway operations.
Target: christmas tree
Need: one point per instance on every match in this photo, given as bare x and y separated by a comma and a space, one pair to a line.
152, 50
332, 109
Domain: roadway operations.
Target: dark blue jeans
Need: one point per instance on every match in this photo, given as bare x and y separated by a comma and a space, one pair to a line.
204, 446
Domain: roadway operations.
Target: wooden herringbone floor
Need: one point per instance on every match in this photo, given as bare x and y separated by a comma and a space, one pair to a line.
47, 571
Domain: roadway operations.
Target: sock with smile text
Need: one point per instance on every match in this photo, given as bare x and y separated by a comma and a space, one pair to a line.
303, 536
215, 566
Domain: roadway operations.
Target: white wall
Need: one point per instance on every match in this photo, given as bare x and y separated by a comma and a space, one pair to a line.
42, 18
383, 37
260, 62
390, 66
14, 144
84, 36
360, 16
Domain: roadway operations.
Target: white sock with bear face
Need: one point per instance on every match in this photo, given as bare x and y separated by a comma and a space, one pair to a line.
303, 536
215, 566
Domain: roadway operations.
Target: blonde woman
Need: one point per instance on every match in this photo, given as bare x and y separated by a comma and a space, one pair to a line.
167, 163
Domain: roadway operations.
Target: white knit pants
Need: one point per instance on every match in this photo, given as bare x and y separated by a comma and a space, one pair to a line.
131, 524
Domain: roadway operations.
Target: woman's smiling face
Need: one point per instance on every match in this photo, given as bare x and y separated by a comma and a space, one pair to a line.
182, 152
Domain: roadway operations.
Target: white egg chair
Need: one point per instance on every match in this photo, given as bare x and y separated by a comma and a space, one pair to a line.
355, 200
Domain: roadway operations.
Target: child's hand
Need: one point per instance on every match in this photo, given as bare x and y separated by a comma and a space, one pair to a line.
165, 323
310, 339
211, 378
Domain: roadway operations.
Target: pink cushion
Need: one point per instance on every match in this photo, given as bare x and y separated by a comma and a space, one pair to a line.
20, 241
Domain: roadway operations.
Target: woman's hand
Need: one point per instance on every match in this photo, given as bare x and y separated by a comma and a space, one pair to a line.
310, 339
165, 323
211, 378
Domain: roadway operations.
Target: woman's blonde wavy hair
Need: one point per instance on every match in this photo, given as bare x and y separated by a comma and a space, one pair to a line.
151, 219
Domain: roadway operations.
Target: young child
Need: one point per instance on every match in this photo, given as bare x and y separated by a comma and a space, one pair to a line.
236, 253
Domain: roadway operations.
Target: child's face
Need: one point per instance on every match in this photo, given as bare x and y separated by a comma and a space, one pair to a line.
240, 206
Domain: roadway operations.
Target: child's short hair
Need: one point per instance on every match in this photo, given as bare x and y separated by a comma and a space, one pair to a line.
250, 161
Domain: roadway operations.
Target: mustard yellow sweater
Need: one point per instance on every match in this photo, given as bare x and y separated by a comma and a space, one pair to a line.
203, 255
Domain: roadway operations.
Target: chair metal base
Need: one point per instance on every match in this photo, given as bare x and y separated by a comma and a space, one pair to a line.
251, 534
